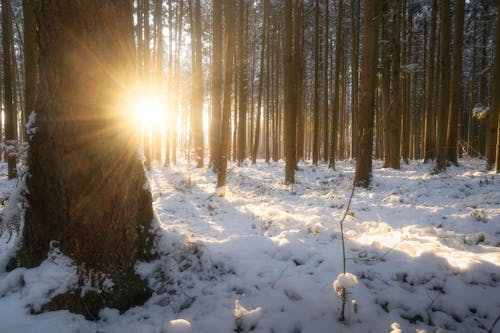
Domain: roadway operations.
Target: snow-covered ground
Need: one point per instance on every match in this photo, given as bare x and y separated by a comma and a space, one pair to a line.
425, 250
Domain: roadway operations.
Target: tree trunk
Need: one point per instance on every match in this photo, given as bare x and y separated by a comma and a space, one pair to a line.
217, 81
456, 84
316, 84
355, 82
8, 93
495, 98
226, 103
444, 88
367, 94
334, 131
86, 197
243, 80
290, 91
395, 111
429, 121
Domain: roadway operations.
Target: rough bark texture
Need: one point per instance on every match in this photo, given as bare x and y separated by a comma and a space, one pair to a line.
430, 114
86, 186
243, 81
367, 95
395, 111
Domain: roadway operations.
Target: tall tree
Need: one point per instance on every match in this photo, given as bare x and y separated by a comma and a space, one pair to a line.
491, 145
336, 106
430, 114
290, 89
444, 87
229, 13
197, 82
30, 55
495, 87
367, 93
8, 92
456, 83
355, 15
86, 197
260, 87
316, 84
243, 80
217, 49
395, 110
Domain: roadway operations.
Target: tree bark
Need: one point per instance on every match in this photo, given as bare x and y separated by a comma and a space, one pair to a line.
217, 81
367, 94
444, 88
456, 84
86, 197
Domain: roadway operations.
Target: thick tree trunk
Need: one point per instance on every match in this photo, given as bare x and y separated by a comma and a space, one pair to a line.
430, 113
395, 111
495, 98
316, 84
367, 94
87, 186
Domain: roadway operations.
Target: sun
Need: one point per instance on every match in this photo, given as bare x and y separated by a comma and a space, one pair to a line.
146, 109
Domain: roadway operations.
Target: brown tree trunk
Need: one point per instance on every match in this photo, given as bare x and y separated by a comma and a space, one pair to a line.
197, 108
316, 83
243, 80
367, 94
430, 114
355, 14
495, 98
493, 133
395, 111
86, 197
290, 90
334, 131
444, 89
8, 93
324, 59
456, 84
226, 103
217, 49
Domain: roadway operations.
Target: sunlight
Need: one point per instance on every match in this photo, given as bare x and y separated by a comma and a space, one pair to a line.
146, 110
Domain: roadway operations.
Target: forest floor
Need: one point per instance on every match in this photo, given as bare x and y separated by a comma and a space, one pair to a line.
425, 250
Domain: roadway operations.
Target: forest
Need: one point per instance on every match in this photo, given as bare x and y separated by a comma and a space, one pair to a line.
295, 166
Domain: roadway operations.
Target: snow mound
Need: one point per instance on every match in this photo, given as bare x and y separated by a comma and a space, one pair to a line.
245, 319
177, 326
395, 328
346, 280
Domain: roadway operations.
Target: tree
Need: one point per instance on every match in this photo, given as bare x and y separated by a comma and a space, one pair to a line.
243, 80
456, 83
217, 49
197, 81
367, 94
444, 87
226, 102
8, 92
316, 83
395, 111
290, 89
495, 87
86, 197
336, 109
30, 56
430, 114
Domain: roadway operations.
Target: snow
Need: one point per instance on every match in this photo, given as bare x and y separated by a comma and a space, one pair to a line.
424, 249
344, 281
